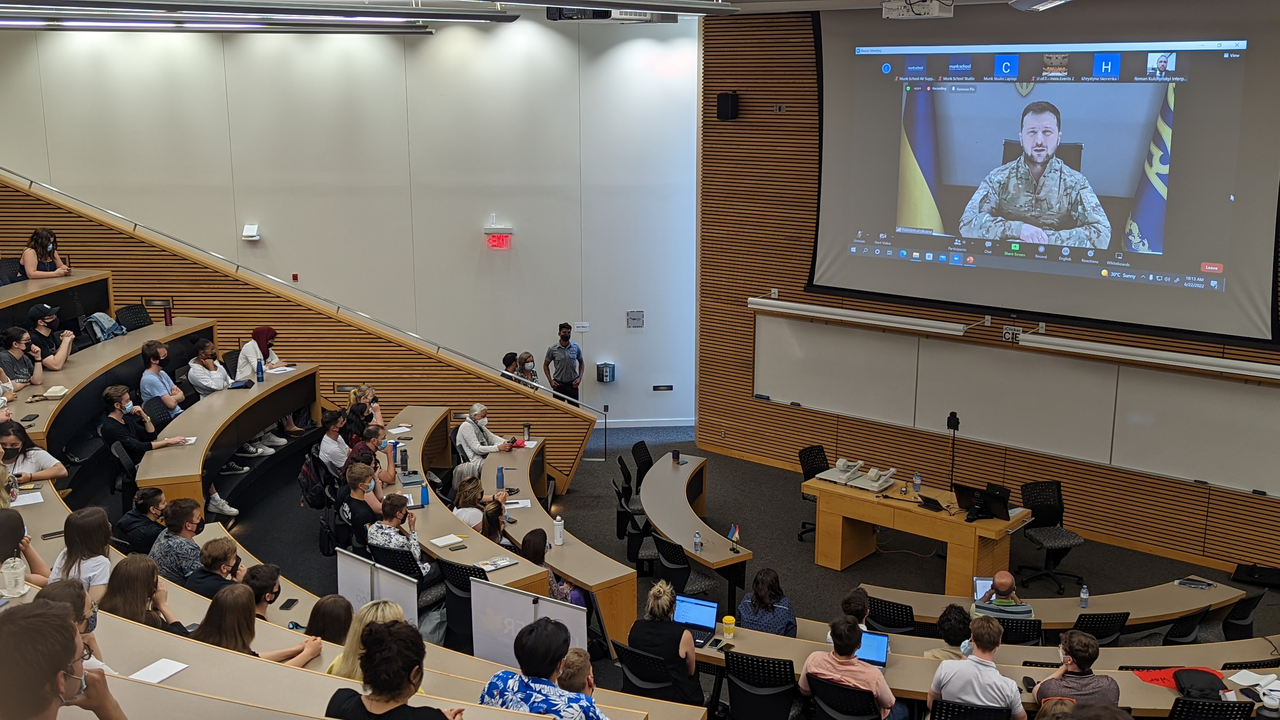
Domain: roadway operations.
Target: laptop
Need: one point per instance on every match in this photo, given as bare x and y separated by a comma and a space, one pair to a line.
875, 649
980, 586
698, 616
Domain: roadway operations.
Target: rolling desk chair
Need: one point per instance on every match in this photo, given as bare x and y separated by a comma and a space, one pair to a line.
943, 710
231, 361
402, 562
1044, 500
760, 688
673, 566
1021, 631
632, 499
1188, 709
133, 317
1238, 624
834, 701
643, 674
159, 414
1106, 627
813, 460
644, 461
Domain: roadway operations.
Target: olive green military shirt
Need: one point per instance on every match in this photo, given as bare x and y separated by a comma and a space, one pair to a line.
1062, 204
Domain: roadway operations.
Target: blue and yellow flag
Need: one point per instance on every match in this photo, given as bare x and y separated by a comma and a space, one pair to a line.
919, 169
1144, 233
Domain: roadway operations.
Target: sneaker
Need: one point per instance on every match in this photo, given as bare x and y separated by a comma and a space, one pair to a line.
249, 450
217, 505
271, 440
233, 469
263, 449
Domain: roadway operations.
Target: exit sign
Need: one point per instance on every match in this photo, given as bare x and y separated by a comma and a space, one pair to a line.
499, 241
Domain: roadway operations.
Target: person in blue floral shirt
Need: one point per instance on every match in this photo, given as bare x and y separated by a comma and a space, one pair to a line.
541, 648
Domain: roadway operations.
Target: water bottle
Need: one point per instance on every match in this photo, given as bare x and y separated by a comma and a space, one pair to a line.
15, 575
404, 460
558, 531
915, 482
259, 370
1270, 707
526, 430
1084, 596
697, 541
501, 482
426, 495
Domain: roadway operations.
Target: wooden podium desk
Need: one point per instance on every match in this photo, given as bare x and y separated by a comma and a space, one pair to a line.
675, 501
846, 529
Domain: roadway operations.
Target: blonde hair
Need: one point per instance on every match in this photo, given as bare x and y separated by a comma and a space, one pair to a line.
661, 603
525, 357
357, 393
469, 493
1057, 708
347, 664
577, 668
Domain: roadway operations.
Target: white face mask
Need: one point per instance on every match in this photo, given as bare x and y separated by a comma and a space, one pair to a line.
528, 366
483, 421
966, 648
1062, 657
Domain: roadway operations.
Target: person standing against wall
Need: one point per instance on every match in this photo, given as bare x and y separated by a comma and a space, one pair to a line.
567, 356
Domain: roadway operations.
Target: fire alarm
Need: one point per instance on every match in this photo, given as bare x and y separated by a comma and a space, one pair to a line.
497, 236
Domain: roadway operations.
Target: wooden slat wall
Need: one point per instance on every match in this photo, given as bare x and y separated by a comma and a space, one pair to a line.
757, 213
349, 351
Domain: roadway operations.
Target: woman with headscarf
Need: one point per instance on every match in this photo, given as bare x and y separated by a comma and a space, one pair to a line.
259, 349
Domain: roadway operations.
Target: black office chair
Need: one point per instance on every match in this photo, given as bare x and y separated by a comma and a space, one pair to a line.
632, 497
9, 268
126, 479
644, 461
1069, 153
1186, 629
673, 566
159, 414
231, 361
1238, 624
429, 594
1044, 500
1188, 709
1021, 631
760, 688
1106, 627
457, 585
943, 710
886, 616
835, 701
813, 460
1037, 663
641, 551
133, 317
1141, 668
1252, 665
643, 673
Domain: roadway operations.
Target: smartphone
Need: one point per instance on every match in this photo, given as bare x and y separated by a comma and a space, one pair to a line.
31, 486
724, 647
51, 535
30, 417
288, 604
405, 439
1028, 683
291, 364
715, 643
293, 625
192, 627
455, 548
683, 462
1250, 693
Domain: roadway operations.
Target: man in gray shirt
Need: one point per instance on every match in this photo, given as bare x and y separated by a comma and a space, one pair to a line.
1075, 679
569, 365
975, 680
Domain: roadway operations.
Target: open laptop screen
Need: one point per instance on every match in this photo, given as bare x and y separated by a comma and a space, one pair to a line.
980, 587
875, 649
695, 612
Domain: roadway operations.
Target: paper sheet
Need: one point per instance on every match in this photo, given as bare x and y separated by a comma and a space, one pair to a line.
279, 370
513, 504
159, 671
28, 499
1244, 677
530, 444
191, 441
446, 540
398, 430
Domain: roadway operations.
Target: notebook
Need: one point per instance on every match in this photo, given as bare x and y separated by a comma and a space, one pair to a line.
699, 616
875, 649
495, 563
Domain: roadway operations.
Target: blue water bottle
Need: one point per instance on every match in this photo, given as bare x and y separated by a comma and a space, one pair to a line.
501, 483
426, 495
259, 370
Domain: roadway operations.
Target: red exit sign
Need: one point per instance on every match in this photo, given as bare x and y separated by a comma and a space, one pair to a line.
500, 241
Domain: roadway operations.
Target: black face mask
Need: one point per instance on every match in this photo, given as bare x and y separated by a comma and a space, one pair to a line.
374, 401
274, 597
200, 526
52, 324
163, 362
11, 454
565, 337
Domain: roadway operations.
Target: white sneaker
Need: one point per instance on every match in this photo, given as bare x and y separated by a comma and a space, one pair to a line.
249, 450
218, 505
263, 449
271, 440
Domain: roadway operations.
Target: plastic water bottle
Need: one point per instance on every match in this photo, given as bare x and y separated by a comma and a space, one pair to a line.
1270, 707
404, 460
501, 482
915, 482
1084, 596
259, 370
558, 531
697, 541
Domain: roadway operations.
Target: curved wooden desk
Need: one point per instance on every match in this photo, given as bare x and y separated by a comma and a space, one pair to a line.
221, 422
430, 448
1156, 604
85, 367
89, 290
611, 583
675, 501
146, 701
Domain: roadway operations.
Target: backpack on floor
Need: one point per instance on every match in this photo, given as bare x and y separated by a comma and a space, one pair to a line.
311, 480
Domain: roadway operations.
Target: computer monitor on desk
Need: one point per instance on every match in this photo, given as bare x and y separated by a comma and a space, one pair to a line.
988, 503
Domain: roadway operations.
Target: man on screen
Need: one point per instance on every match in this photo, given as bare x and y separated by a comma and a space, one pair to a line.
1037, 198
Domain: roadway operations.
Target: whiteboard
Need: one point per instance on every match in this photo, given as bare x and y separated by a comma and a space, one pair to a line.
399, 589
863, 373
1033, 401
354, 581
1221, 431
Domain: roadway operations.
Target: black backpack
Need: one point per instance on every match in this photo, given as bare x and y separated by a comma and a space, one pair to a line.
312, 479
1198, 684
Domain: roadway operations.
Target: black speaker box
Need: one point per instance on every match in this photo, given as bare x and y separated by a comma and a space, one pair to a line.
727, 106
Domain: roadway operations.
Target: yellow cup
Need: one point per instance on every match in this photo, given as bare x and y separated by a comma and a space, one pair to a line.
728, 626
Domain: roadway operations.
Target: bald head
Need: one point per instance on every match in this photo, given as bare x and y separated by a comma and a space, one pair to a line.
1003, 584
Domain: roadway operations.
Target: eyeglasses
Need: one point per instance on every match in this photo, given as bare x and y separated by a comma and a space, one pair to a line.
88, 653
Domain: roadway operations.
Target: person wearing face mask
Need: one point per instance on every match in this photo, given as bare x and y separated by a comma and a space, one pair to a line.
368, 395
357, 419
524, 369
208, 376
333, 449
476, 441
19, 359
1074, 678
391, 532
260, 348
567, 356
176, 552
49, 672
144, 522
84, 613
219, 566
374, 442
156, 381
40, 258
127, 424
55, 347
25, 460
359, 509
264, 581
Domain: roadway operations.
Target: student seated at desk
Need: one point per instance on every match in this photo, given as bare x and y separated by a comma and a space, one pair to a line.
144, 522
259, 348
333, 449
219, 567
390, 533
347, 664
84, 613
205, 373
15, 542
229, 623
656, 633
366, 395
392, 668
477, 442
19, 359
356, 419
576, 675
469, 502
25, 460
767, 609
1075, 678
49, 672
155, 380
493, 524
534, 548
366, 451
55, 347
953, 626
1001, 600
264, 581
87, 535
40, 257
540, 648
137, 592
330, 619
857, 605
975, 680
175, 551
1056, 709
360, 508
841, 665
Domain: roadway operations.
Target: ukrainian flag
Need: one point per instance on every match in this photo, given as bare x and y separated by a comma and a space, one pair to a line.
1144, 233
919, 169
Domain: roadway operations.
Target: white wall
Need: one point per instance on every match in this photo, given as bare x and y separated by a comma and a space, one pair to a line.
372, 162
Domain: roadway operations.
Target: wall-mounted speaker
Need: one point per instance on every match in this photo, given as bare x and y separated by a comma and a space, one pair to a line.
727, 106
